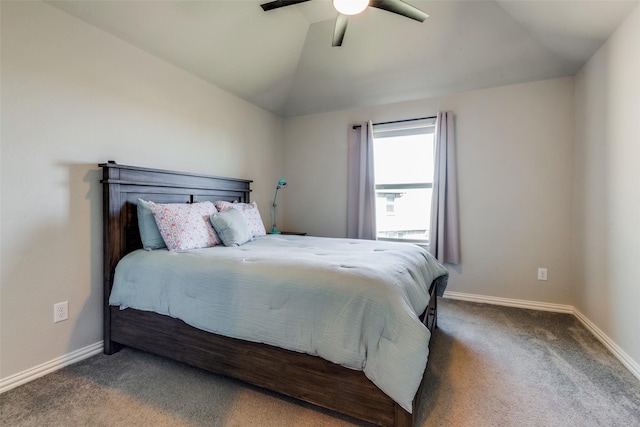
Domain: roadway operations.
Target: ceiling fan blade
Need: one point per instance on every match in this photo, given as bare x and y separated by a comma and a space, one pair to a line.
401, 8
279, 3
340, 29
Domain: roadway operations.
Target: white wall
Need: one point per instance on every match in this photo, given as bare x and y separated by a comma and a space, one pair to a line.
74, 96
607, 188
515, 181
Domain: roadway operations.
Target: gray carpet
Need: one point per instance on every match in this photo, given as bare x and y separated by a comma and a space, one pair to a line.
489, 366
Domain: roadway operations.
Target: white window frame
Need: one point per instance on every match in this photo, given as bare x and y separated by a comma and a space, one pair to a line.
405, 128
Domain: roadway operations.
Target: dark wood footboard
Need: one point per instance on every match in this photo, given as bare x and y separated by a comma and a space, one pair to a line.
298, 375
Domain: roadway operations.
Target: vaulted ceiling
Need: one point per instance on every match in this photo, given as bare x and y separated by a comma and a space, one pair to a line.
283, 61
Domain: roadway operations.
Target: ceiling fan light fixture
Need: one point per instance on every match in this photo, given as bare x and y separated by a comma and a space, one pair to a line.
350, 7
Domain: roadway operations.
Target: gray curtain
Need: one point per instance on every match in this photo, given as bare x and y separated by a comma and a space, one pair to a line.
361, 193
444, 239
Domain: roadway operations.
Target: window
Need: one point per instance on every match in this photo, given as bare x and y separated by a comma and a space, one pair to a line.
403, 162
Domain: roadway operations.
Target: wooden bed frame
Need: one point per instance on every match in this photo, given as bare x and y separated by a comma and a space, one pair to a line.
302, 376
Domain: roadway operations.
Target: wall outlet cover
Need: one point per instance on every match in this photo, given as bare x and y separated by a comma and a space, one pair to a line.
60, 311
542, 273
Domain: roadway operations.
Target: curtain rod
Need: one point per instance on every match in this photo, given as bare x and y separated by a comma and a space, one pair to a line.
398, 121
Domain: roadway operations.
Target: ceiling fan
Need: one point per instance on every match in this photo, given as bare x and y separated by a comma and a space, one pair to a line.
346, 8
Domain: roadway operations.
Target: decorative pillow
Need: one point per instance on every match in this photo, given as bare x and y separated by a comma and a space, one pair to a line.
185, 226
251, 213
149, 233
232, 227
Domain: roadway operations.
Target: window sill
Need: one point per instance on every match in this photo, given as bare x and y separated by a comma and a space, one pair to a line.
423, 243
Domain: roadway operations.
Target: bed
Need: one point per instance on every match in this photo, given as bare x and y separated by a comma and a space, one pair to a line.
297, 374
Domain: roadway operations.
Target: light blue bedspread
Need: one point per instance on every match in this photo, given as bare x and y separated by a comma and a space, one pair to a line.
352, 302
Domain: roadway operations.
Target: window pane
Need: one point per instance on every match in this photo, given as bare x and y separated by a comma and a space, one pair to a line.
404, 159
407, 216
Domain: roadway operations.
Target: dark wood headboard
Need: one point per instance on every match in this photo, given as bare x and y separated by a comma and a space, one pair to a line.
124, 185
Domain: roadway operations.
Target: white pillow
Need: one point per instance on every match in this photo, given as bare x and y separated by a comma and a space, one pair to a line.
250, 212
185, 226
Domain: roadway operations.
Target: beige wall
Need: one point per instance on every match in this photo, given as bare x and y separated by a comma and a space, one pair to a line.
515, 180
74, 96
607, 188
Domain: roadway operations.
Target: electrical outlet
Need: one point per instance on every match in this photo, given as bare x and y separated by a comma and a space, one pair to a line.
542, 273
60, 311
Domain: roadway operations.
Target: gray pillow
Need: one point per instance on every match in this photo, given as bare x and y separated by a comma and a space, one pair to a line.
149, 233
232, 227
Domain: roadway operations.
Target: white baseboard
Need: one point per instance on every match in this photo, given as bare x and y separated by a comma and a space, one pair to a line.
31, 374
532, 305
620, 354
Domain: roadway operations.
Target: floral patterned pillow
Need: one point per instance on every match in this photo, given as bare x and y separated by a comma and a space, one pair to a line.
250, 212
185, 226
